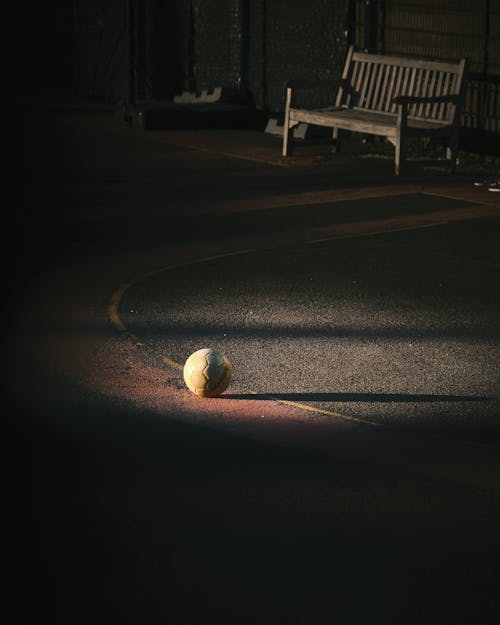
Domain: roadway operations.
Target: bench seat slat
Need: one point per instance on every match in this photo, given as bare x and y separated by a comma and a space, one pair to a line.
372, 122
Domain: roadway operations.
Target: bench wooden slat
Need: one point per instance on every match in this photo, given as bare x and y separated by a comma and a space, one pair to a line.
369, 96
443, 111
425, 85
440, 108
378, 86
390, 88
376, 120
378, 83
383, 90
407, 74
403, 61
438, 91
362, 93
397, 87
430, 91
413, 87
357, 79
352, 81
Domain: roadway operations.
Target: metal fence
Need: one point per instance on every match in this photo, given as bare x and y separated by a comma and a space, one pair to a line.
448, 30
151, 49
254, 46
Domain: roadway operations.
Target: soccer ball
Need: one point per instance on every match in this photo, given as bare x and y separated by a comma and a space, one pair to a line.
207, 372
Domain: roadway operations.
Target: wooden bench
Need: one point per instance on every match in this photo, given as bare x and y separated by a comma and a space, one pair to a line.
389, 96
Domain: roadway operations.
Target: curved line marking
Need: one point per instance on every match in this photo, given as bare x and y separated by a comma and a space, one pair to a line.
115, 318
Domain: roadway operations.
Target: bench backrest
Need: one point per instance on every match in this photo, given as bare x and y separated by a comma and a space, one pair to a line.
371, 81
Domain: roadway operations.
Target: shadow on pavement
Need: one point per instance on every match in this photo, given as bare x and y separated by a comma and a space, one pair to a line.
127, 517
359, 397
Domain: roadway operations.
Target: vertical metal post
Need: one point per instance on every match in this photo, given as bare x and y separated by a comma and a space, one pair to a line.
131, 52
482, 83
370, 26
370, 44
140, 51
487, 32
381, 29
244, 19
264, 55
191, 61
351, 22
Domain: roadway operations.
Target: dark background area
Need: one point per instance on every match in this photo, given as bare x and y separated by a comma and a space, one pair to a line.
42, 53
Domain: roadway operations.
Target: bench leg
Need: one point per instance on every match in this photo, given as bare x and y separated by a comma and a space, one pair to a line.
452, 152
287, 131
336, 143
400, 140
287, 141
399, 154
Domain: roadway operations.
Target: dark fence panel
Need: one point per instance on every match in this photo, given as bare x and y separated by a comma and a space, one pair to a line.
218, 42
444, 29
101, 48
254, 46
164, 57
153, 49
131, 49
305, 40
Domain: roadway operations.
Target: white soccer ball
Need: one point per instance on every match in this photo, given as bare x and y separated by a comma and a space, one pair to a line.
207, 372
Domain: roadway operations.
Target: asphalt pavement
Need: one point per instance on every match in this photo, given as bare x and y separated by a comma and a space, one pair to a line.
351, 471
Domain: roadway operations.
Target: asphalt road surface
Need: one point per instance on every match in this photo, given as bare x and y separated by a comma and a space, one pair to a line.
392, 329
350, 473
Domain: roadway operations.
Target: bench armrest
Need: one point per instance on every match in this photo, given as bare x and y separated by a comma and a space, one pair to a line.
439, 99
